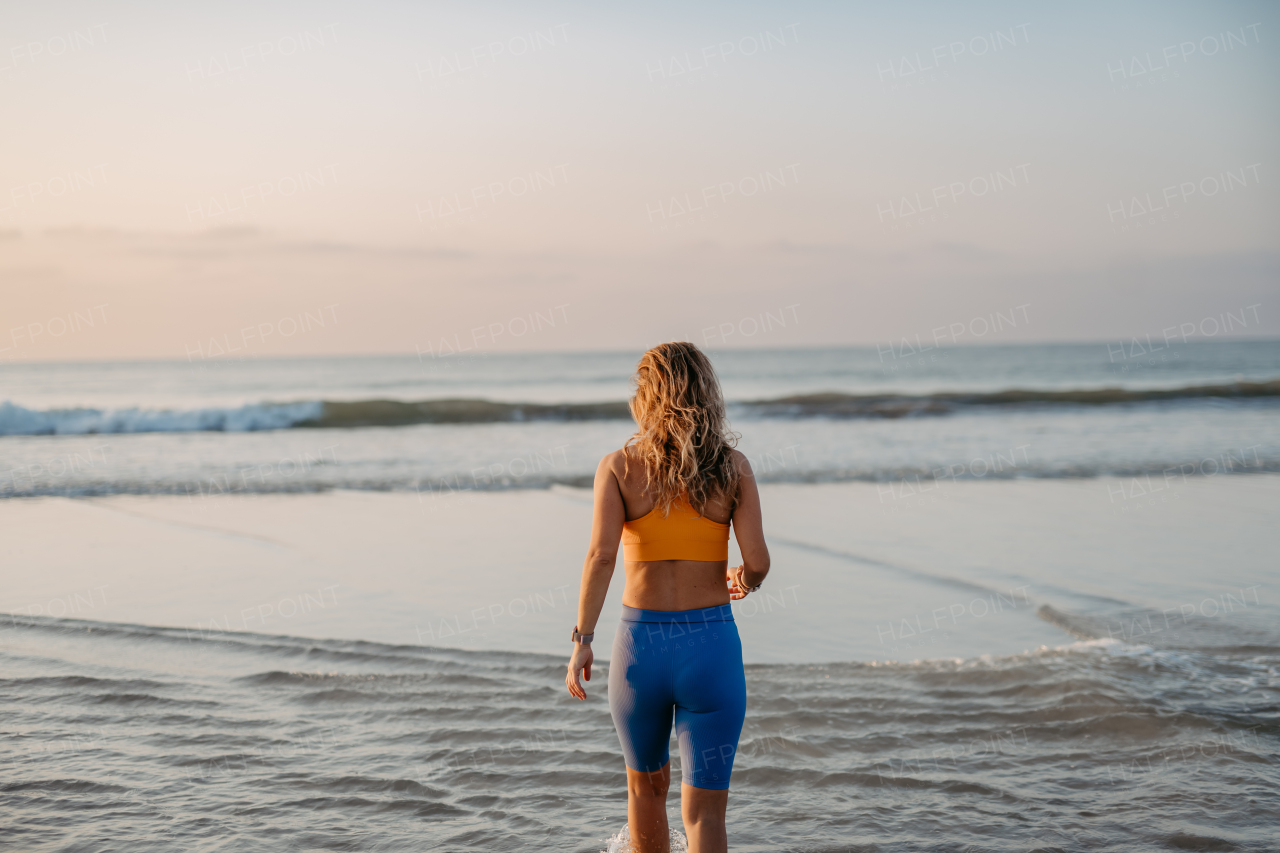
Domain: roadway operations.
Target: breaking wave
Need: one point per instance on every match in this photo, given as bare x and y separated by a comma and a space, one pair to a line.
17, 420
902, 405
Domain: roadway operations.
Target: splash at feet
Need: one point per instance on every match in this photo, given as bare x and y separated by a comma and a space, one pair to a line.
621, 842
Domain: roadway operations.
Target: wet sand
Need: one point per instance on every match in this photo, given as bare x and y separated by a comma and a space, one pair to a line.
862, 572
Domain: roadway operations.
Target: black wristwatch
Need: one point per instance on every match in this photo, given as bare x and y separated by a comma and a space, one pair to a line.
585, 639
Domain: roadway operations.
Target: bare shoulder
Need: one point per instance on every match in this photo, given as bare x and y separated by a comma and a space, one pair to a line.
612, 459
741, 462
615, 462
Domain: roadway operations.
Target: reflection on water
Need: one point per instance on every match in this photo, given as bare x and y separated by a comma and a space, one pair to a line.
156, 739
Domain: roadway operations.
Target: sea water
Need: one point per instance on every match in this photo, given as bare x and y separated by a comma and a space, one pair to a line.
1039, 621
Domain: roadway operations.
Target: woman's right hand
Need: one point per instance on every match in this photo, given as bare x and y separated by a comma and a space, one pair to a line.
736, 576
579, 662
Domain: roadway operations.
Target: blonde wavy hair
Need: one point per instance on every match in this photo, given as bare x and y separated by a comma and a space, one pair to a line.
683, 438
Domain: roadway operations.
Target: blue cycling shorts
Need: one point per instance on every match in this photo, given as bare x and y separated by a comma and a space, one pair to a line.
686, 664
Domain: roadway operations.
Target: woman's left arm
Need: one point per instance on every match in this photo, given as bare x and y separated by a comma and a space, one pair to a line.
748, 529
597, 570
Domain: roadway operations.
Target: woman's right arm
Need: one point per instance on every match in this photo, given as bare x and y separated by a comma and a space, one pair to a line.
748, 527
597, 569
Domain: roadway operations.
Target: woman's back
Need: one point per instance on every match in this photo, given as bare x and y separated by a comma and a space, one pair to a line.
680, 583
636, 495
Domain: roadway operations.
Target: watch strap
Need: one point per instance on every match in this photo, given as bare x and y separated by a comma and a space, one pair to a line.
585, 639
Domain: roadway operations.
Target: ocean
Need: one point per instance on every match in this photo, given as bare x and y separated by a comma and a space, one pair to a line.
1023, 598
477, 421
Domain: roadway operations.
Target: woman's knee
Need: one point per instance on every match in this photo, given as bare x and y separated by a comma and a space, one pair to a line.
655, 784
703, 806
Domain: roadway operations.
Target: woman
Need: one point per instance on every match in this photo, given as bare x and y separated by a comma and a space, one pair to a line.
670, 495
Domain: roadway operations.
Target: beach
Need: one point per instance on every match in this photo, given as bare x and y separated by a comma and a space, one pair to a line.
354, 669
329, 332
1039, 623
863, 573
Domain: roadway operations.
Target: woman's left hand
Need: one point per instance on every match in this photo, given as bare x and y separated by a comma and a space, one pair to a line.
579, 662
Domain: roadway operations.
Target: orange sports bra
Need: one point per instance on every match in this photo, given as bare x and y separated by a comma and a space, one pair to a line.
682, 535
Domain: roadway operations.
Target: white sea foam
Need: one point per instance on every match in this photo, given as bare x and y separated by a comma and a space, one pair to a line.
621, 841
17, 420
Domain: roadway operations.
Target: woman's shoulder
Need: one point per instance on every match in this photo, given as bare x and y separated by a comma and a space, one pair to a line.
740, 461
616, 457
616, 462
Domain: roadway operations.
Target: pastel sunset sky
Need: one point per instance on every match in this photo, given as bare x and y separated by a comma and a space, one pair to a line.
419, 171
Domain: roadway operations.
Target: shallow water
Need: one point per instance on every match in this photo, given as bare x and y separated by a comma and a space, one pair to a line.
621, 841
152, 739
297, 697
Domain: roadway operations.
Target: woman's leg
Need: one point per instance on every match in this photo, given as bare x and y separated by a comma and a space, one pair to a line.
711, 702
703, 812
647, 810
641, 703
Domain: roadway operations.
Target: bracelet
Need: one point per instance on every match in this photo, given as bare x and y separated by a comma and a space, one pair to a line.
749, 589
584, 639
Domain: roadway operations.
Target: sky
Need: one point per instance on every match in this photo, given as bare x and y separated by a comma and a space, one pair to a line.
172, 174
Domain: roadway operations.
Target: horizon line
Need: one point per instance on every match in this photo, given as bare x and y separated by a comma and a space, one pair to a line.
473, 353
